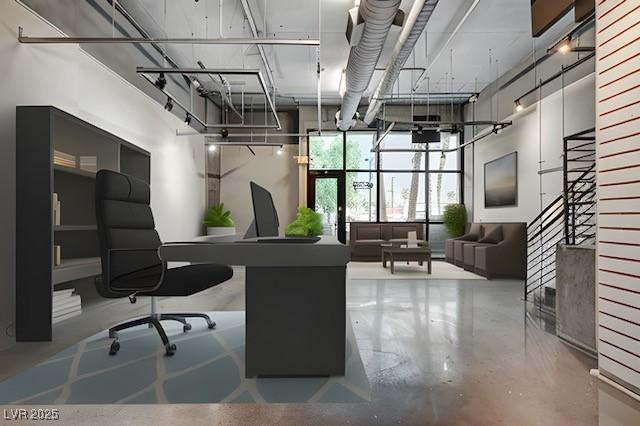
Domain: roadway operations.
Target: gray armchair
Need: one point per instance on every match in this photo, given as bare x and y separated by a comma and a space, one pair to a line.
494, 250
508, 258
473, 234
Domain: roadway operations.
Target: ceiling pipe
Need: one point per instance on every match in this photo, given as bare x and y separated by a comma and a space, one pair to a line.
442, 47
254, 32
378, 17
493, 130
416, 22
218, 87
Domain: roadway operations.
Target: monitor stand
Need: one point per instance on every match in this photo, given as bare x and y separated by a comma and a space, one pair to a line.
251, 231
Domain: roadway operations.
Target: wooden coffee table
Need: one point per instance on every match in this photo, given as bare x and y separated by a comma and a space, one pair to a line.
395, 253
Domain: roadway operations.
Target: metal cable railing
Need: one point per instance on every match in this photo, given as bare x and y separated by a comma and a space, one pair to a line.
570, 218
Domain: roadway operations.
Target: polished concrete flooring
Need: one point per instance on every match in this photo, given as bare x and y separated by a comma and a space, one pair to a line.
435, 351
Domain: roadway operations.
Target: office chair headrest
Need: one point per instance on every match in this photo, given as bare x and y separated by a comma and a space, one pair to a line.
112, 185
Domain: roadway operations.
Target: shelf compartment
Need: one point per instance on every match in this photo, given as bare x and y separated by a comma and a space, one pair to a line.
75, 269
74, 171
62, 228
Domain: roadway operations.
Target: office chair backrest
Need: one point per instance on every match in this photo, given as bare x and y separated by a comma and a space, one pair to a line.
125, 221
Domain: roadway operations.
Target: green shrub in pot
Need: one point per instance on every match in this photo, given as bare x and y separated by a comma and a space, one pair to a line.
307, 223
218, 221
455, 219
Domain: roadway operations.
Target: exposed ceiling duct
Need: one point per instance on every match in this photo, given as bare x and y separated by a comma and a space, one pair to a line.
376, 18
417, 20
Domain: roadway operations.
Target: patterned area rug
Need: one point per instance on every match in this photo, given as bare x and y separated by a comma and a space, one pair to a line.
208, 367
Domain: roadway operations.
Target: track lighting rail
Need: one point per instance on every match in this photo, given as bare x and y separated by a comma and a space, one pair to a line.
145, 71
555, 76
144, 40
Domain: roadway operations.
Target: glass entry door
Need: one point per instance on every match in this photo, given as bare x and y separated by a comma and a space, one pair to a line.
326, 197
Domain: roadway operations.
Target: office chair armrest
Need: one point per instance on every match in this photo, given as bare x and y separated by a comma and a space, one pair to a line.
137, 249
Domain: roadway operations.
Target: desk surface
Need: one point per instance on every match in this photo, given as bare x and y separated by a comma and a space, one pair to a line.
232, 250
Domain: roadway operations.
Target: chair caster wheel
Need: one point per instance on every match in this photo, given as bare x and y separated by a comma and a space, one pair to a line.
170, 348
186, 327
211, 325
115, 347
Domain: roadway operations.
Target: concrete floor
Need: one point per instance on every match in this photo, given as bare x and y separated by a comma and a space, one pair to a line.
435, 352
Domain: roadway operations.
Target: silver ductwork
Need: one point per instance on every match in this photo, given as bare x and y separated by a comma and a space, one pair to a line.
416, 22
377, 16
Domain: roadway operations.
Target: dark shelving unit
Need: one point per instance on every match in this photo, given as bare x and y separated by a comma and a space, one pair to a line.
59, 153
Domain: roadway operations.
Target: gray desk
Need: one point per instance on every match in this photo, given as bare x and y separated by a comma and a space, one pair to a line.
295, 301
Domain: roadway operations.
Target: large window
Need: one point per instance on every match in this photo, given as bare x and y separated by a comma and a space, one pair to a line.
359, 155
401, 160
444, 189
361, 196
444, 176
408, 184
402, 197
326, 152
360, 177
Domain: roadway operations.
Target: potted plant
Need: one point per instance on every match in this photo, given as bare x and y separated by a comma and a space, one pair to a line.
455, 219
218, 221
306, 224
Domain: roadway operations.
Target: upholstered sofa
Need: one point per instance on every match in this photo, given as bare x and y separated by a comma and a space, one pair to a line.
365, 238
493, 250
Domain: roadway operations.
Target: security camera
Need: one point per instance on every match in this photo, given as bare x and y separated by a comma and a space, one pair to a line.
224, 133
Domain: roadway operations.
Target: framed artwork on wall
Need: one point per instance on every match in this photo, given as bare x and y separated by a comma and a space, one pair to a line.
501, 181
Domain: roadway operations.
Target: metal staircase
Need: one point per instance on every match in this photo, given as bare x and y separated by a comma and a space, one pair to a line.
580, 188
570, 218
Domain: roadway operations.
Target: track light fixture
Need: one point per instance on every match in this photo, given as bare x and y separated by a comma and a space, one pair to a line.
473, 99
161, 82
280, 150
518, 106
498, 127
564, 47
169, 105
187, 118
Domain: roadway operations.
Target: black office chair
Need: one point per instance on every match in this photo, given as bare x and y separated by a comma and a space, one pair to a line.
131, 266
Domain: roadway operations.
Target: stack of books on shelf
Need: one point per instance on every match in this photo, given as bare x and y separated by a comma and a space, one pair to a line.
63, 159
65, 305
55, 209
89, 163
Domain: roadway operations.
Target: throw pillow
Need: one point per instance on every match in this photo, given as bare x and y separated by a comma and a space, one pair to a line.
474, 233
493, 237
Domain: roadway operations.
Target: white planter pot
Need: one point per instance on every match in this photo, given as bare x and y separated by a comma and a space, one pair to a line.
221, 230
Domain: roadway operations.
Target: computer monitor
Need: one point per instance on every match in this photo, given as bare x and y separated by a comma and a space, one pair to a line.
265, 217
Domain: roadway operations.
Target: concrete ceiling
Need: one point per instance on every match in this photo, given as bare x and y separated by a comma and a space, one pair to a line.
499, 26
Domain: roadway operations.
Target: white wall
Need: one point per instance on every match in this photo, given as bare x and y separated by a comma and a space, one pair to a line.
537, 135
276, 173
65, 77
618, 195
